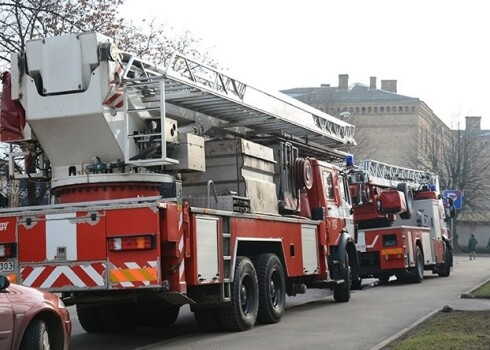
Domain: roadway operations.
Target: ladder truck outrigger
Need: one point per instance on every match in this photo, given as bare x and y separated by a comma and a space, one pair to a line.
170, 185
401, 222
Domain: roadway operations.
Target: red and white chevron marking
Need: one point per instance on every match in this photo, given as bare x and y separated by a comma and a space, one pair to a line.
62, 276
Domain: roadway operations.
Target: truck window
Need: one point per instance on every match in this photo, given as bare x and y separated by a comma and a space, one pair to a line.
328, 182
344, 189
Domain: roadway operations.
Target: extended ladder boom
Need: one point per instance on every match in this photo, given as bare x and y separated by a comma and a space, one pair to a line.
387, 175
200, 88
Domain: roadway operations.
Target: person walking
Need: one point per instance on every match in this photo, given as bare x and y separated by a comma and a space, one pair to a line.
472, 243
488, 244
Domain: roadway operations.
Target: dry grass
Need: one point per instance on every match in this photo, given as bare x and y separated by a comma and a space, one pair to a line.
468, 330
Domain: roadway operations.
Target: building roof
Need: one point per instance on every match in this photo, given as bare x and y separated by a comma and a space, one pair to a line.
357, 93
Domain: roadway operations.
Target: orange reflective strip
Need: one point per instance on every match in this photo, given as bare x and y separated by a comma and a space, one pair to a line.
116, 276
133, 275
392, 251
12, 278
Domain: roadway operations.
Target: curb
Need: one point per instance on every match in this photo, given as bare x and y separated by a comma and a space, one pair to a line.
416, 323
476, 287
404, 330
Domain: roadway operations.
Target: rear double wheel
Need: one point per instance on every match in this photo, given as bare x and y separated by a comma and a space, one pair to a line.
445, 268
89, 318
241, 313
418, 270
272, 288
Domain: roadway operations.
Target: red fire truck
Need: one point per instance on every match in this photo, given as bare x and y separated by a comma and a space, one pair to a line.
401, 222
170, 186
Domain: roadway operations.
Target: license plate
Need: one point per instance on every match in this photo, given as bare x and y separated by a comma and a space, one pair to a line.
7, 266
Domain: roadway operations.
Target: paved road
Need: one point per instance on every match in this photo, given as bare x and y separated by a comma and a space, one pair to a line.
314, 320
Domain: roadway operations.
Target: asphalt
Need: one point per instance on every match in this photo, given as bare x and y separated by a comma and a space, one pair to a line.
466, 302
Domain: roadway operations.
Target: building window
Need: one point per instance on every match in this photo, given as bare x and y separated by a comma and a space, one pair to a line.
375, 109
388, 109
369, 109
363, 110
351, 110
400, 109
357, 110
412, 109
406, 109
382, 109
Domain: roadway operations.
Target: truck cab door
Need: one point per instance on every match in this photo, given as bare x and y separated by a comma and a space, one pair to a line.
339, 214
346, 204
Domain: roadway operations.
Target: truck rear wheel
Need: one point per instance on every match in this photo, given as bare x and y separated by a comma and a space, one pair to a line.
418, 270
241, 313
341, 292
157, 313
89, 319
119, 318
445, 268
272, 288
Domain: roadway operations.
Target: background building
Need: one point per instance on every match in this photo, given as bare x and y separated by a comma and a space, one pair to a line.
404, 131
390, 128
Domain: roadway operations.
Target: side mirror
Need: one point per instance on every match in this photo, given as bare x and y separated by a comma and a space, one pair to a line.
4, 282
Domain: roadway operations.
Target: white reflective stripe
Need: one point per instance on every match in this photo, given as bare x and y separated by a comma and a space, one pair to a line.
361, 241
374, 242
181, 243
117, 243
132, 265
58, 271
2, 250
182, 271
61, 232
94, 275
126, 284
32, 276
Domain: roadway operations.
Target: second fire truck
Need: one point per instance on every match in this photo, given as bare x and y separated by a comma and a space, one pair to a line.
401, 222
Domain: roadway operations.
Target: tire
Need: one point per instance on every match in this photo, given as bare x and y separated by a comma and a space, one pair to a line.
241, 313
341, 292
36, 336
445, 269
418, 270
408, 194
89, 318
272, 288
119, 318
208, 319
157, 313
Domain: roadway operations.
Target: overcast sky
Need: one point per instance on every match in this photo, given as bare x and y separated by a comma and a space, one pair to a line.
438, 51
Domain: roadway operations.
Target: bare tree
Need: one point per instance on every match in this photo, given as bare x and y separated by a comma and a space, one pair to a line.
22, 20
461, 159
